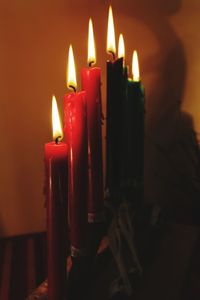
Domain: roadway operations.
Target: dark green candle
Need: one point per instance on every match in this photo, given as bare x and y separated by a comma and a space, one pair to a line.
135, 128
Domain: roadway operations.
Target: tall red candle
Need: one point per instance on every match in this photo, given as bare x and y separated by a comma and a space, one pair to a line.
56, 197
91, 83
76, 136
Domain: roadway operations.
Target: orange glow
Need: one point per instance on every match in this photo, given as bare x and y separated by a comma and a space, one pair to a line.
56, 124
111, 47
71, 71
135, 67
121, 47
91, 45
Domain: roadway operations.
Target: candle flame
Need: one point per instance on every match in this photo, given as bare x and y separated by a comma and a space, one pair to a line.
71, 71
135, 67
121, 47
91, 44
56, 124
111, 47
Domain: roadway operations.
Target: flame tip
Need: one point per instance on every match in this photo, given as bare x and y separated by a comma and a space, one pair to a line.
111, 48
71, 70
56, 124
135, 67
121, 47
91, 44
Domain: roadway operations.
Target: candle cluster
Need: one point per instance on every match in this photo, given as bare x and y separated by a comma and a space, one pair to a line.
125, 121
74, 168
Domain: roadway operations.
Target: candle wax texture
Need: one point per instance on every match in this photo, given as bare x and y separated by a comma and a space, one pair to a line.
114, 128
75, 128
135, 131
91, 84
56, 199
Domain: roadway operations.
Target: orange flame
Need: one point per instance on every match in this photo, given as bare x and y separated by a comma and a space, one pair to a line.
71, 71
111, 47
56, 124
121, 47
135, 67
91, 45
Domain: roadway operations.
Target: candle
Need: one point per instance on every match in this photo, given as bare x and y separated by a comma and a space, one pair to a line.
114, 128
76, 137
124, 143
56, 198
91, 83
135, 125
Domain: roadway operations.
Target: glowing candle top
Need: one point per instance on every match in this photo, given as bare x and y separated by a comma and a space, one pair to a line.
91, 45
111, 47
135, 67
121, 47
56, 124
71, 71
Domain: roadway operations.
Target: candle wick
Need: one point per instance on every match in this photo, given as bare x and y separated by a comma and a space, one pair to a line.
73, 88
90, 63
113, 55
57, 139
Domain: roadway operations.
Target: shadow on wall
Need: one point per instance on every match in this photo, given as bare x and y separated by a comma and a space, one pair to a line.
171, 151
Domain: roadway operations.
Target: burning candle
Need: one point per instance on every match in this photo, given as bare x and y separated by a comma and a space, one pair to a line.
124, 144
135, 127
114, 128
91, 83
76, 137
56, 198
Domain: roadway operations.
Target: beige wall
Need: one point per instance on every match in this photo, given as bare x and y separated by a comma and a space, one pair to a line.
34, 40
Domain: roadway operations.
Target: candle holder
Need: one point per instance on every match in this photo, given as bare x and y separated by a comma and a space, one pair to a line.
82, 271
110, 254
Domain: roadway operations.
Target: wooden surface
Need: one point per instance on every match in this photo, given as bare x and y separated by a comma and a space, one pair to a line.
171, 262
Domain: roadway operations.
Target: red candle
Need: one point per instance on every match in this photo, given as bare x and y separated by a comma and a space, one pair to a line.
76, 137
91, 83
56, 198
